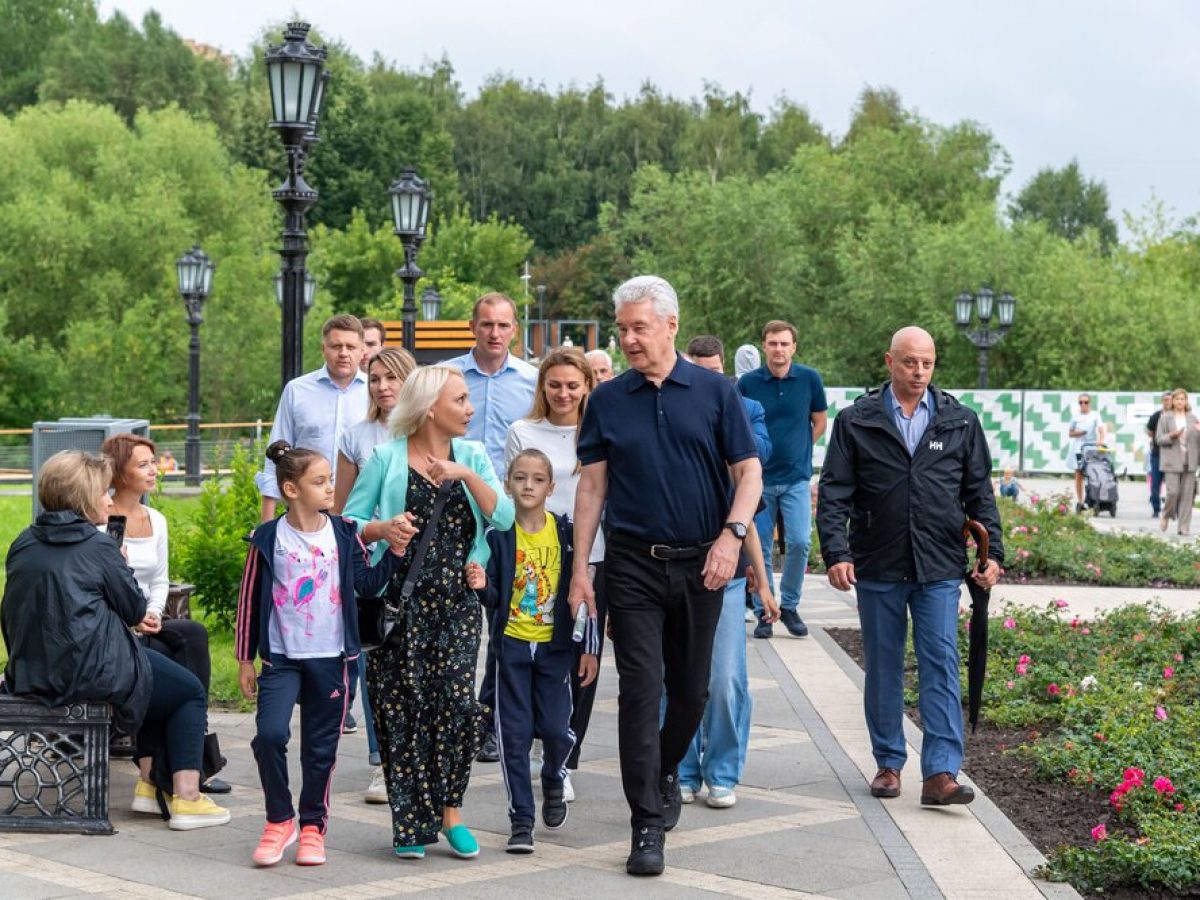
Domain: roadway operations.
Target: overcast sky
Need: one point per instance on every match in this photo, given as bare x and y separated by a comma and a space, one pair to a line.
1113, 84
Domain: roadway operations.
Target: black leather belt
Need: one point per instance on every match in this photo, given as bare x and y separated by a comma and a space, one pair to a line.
662, 552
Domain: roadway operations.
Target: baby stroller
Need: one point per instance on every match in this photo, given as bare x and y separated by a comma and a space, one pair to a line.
1100, 480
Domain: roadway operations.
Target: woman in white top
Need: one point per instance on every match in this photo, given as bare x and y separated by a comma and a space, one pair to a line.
564, 382
386, 374
135, 474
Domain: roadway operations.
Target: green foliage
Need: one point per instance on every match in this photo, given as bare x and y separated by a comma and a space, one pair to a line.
1045, 540
1122, 692
1067, 204
27, 29
211, 550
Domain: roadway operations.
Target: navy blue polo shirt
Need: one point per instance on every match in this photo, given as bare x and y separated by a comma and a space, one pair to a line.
668, 450
789, 403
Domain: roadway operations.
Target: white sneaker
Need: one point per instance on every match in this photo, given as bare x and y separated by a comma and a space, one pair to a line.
686, 794
721, 797
751, 617
568, 789
376, 791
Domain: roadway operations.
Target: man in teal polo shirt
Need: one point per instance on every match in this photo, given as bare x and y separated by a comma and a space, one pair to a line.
793, 398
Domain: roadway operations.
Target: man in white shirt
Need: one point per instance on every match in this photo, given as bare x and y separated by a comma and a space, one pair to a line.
317, 407
1085, 428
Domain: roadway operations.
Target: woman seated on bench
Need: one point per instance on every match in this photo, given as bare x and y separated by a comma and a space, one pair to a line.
135, 473
69, 604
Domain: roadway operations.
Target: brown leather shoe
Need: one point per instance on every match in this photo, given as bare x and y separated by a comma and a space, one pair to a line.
943, 790
886, 783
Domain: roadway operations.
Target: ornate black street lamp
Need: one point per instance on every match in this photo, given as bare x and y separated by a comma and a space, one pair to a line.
310, 289
296, 73
984, 337
195, 271
411, 198
431, 304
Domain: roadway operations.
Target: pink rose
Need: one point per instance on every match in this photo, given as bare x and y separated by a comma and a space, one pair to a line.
1134, 776
1024, 659
1099, 833
1010, 684
1010, 622
1168, 672
1160, 714
1022, 668
1052, 690
1163, 785
1085, 631
1179, 807
1061, 604
1178, 657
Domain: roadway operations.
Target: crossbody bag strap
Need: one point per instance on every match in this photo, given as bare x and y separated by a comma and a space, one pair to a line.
414, 569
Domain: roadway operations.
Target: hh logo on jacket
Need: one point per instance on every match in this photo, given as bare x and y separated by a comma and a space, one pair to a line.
935, 445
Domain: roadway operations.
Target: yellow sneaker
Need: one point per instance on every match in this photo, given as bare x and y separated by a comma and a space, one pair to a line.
144, 799
187, 815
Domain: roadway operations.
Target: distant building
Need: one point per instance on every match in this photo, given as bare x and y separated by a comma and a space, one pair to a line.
208, 51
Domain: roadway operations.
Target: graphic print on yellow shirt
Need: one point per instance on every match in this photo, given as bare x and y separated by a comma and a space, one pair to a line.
535, 584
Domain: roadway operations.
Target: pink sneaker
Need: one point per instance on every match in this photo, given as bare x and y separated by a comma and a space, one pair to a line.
312, 847
276, 837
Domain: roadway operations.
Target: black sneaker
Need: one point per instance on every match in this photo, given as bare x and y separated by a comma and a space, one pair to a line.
490, 751
554, 807
349, 725
521, 839
672, 800
646, 855
763, 629
793, 623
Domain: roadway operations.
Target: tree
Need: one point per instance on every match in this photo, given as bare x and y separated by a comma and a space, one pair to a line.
789, 127
27, 29
1066, 203
876, 108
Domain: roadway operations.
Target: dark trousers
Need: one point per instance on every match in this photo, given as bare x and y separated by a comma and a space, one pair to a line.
186, 642
533, 698
584, 698
1156, 483
176, 717
663, 622
487, 690
322, 689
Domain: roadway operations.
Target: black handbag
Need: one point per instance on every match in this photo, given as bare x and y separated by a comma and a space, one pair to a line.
378, 616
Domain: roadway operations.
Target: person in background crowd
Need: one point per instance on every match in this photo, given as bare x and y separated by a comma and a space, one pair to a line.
667, 445
746, 359
386, 374
1179, 454
1008, 486
907, 465
374, 335
502, 388
422, 683
601, 365
167, 463
793, 397
1152, 457
1085, 429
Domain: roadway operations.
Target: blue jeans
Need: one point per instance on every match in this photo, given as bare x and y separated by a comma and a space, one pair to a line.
883, 612
794, 501
1156, 483
717, 753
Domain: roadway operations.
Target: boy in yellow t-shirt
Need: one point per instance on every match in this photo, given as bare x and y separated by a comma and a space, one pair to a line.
525, 589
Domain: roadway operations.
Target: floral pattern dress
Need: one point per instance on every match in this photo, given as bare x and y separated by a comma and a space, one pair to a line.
422, 688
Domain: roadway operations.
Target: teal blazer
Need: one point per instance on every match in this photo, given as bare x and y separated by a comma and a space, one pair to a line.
383, 485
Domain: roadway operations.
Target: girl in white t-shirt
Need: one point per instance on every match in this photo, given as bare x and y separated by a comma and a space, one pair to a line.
297, 613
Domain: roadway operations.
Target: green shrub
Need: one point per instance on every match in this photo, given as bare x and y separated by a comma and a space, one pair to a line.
211, 551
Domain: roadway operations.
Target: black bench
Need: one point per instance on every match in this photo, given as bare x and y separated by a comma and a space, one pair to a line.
53, 767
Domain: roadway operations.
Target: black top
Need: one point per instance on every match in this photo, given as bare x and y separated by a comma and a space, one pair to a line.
668, 450
1152, 427
905, 513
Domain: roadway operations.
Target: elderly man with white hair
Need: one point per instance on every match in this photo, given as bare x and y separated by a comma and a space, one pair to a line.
667, 444
601, 364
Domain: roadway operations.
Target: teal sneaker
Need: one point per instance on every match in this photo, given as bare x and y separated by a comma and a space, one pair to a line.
462, 842
417, 852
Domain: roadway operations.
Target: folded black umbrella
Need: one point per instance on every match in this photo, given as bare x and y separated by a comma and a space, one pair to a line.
978, 632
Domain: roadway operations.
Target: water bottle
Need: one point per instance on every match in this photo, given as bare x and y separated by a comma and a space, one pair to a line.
581, 617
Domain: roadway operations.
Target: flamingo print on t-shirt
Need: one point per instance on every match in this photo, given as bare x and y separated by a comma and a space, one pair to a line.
306, 621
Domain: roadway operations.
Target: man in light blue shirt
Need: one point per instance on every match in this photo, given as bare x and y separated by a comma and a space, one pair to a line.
501, 385
912, 427
317, 407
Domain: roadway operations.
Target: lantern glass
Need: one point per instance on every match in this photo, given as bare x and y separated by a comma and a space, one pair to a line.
431, 304
410, 204
209, 268
190, 269
962, 309
294, 71
1005, 307
279, 288
310, 289
983, 304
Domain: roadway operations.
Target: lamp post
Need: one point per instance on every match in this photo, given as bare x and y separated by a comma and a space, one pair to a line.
296, 73
411, 198
545, 329
310, 289
431, 304
984, 337
195, 271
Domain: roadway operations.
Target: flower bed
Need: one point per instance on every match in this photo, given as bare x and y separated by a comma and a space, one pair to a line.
1120, 693
1045, 541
